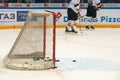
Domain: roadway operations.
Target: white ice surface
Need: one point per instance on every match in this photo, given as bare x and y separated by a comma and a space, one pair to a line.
97, 55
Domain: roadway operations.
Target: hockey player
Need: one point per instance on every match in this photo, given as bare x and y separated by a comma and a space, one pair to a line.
93, 6
73, 13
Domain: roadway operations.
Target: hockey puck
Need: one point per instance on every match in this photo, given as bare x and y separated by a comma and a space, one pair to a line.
55, 67
26, 62
57, 61
35, 59
73, 60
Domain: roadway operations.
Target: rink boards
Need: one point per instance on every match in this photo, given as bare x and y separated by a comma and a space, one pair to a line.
15, 17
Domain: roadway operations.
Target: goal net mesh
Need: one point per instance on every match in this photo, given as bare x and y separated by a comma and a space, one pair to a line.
34, 48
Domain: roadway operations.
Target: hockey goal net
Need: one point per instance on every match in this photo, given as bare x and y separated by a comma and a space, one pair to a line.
34, 48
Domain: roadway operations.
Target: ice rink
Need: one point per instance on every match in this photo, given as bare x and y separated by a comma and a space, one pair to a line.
96, 54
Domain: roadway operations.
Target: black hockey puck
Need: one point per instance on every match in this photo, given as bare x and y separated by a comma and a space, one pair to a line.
26, 62
35, 59
57, 61
73, 60
55, 67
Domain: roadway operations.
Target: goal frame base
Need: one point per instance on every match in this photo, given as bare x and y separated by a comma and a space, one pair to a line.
29, 64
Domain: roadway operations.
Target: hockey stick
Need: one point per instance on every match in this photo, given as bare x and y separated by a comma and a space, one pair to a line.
81, 17
80, 23
80, 26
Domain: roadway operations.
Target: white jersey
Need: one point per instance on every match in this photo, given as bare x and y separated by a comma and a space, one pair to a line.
93, 2
72, 5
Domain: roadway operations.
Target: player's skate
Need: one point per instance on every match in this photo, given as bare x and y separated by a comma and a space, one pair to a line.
92, 27
74, 29
87, 27
67, 29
